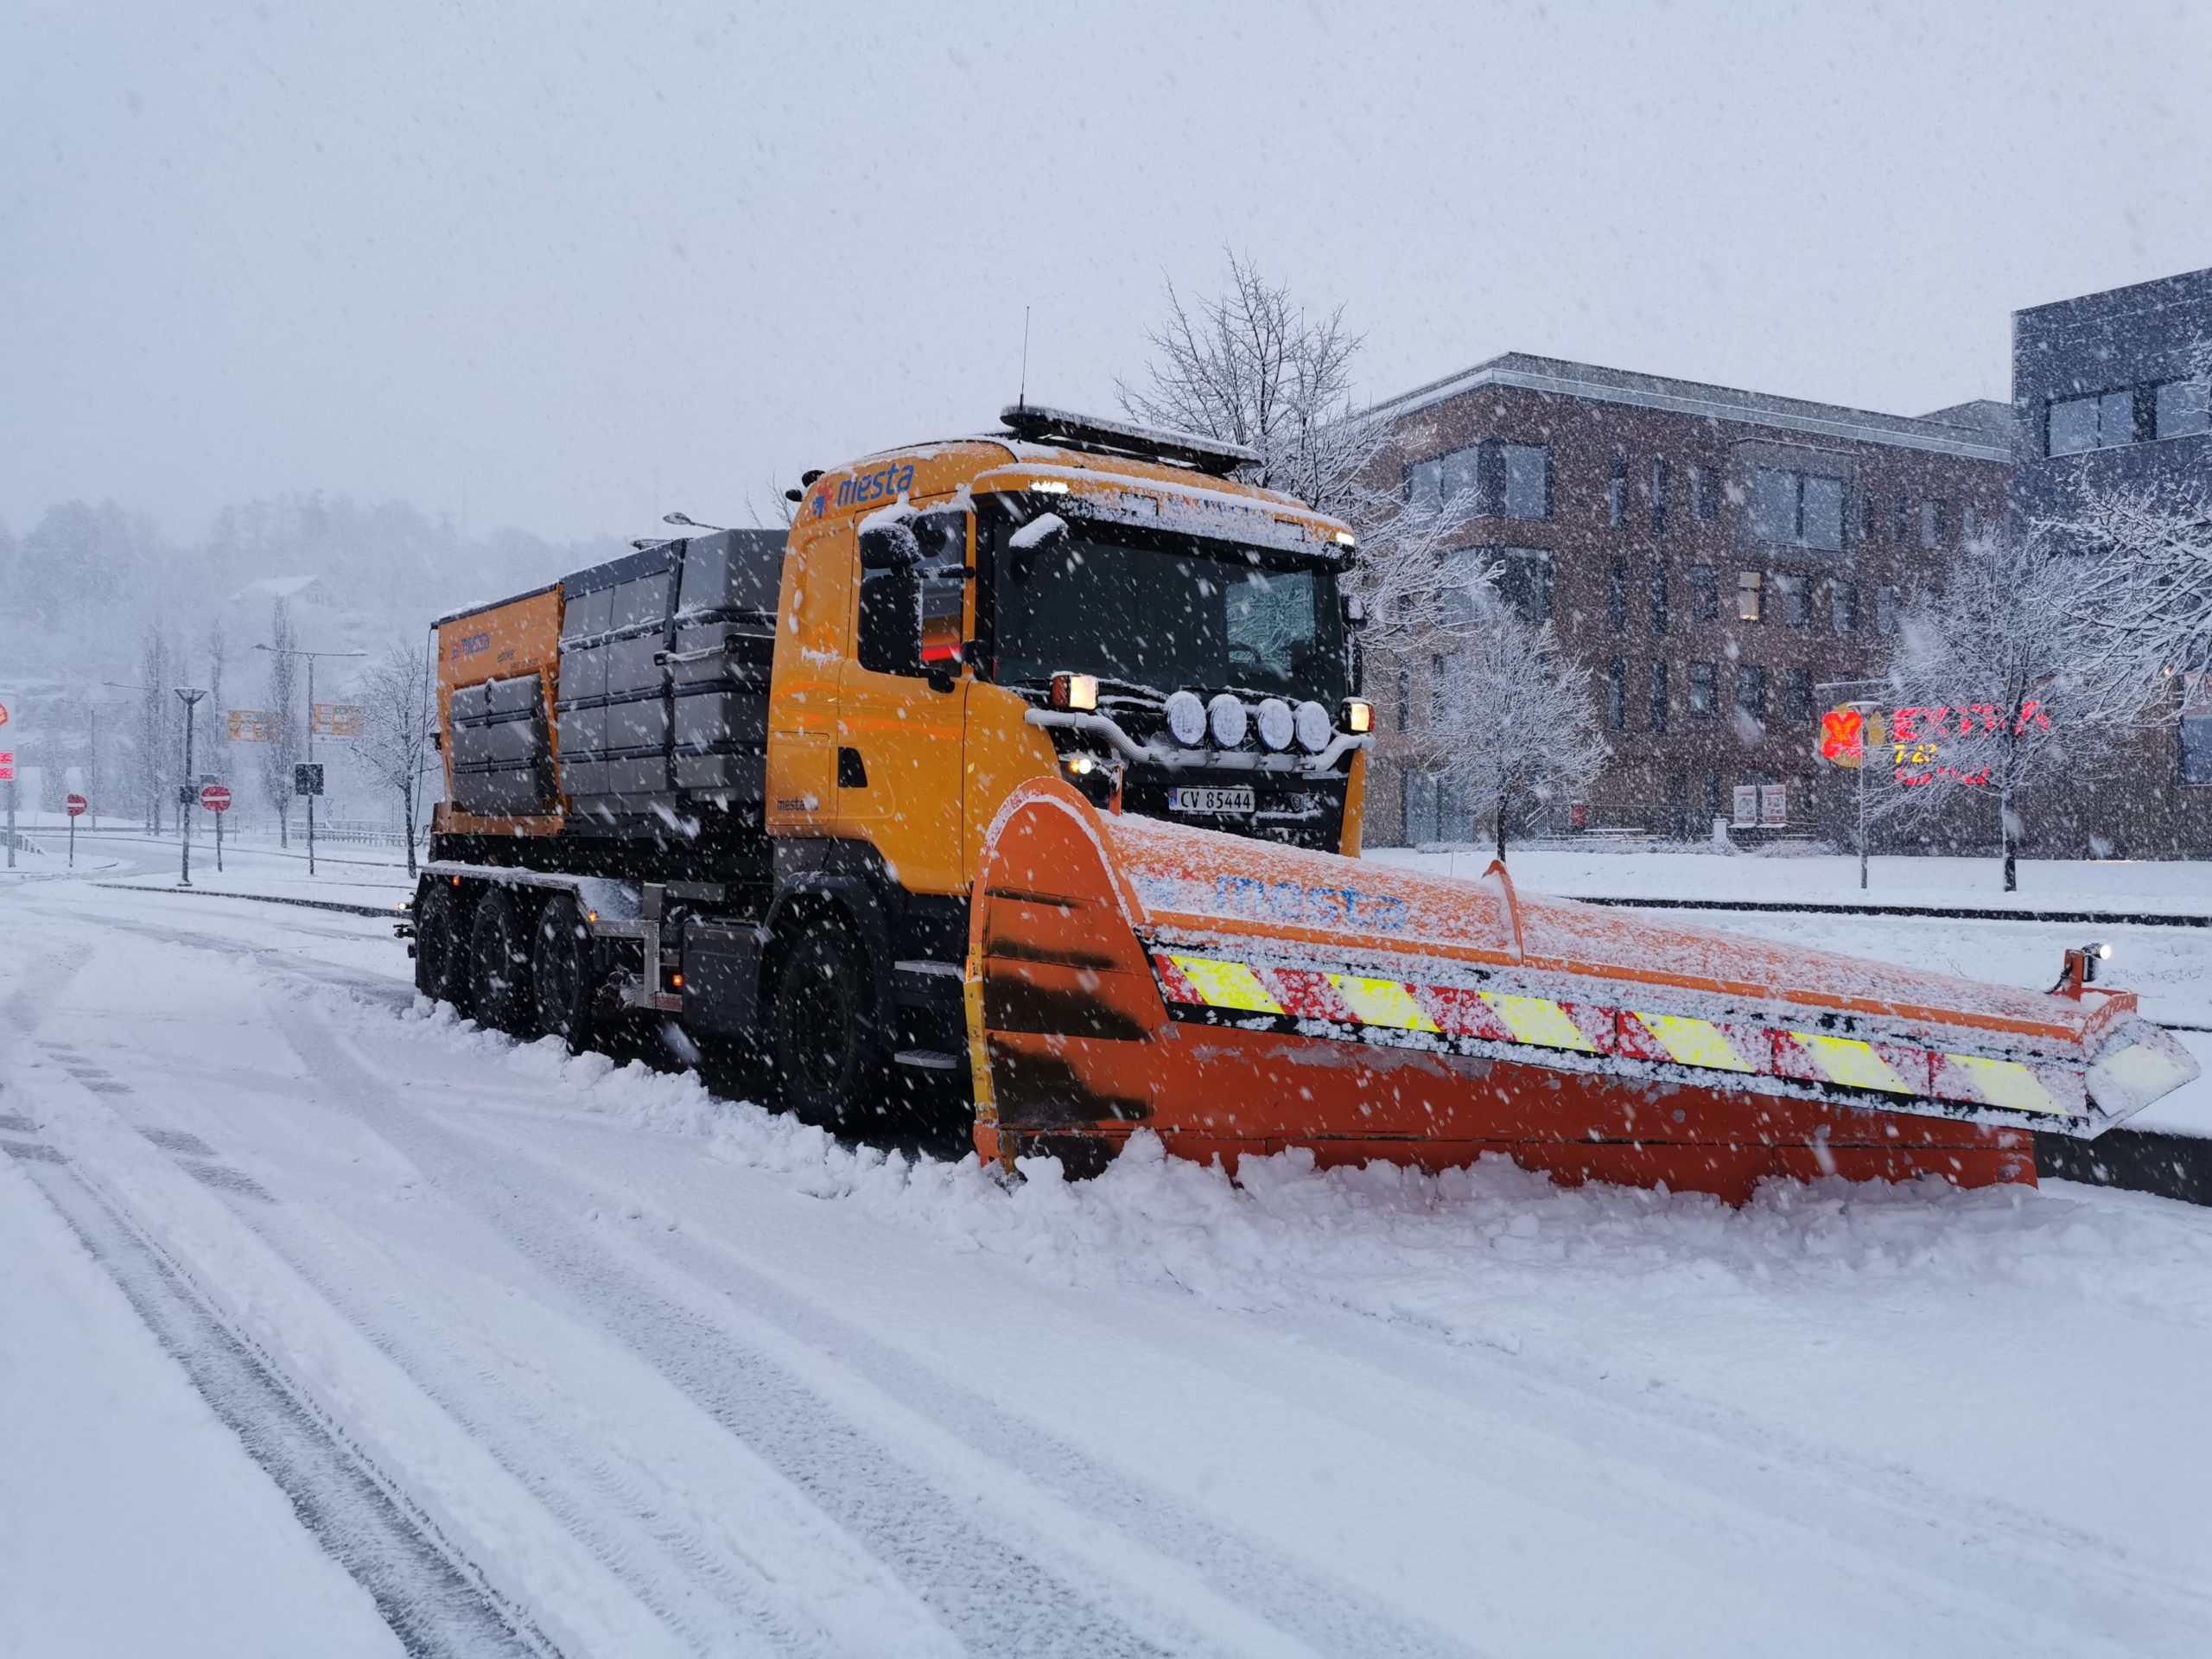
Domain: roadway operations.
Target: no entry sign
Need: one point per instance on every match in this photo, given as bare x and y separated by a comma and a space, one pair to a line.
216, 798
77, 806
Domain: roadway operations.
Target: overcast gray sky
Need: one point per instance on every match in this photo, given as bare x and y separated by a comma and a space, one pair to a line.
569, 266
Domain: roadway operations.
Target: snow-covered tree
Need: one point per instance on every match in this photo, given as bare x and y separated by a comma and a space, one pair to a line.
215, 732
2001, 686
157, 767
401, 710
2141, 576
1514, 724
282, 747
1252, 366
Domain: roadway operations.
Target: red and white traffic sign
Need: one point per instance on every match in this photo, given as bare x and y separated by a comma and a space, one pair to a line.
7, 766
216, 798
3, 713
77, 806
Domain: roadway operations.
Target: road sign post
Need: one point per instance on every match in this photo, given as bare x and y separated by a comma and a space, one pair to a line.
216, 799
306, 779
185, 794
75, 807
1850, 734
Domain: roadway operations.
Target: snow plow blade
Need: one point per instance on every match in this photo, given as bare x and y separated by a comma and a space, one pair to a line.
1236, 996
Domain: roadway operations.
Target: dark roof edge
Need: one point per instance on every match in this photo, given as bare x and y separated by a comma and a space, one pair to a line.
1560, 378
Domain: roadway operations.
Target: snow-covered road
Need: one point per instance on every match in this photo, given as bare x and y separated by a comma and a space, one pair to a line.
331, 1324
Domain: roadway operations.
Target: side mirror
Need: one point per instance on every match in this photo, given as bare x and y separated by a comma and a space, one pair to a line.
891, 619
889, 547
1355, 611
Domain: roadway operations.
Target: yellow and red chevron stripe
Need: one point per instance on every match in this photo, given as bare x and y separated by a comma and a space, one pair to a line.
1196, 980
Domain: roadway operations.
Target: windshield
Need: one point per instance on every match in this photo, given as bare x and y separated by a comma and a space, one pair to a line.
1165, 612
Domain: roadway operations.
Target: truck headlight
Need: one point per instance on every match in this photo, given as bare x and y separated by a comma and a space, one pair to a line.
1358, 717
1227, 719
1277, 726
1186, 719
1078, 692
1314, 730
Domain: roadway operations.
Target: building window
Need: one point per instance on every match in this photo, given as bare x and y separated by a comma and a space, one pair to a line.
1405, 699
1797, 509
2196, 756
1659, 597
1704, 498
1660, 488
1750, 594
1420, 804
1508, 481
1796, 694
1617, 694
1658, 698
1750, 690
1975, 523
1900, 515
1524, 581
1617, 596
1704, 678
1704, 593
1616, 498
1527, 469
2103, 421
1887, 602
1932, 524
1865, 515
1795, 593
1843, 606
2183, 408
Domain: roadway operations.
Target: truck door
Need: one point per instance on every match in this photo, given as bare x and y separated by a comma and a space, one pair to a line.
902, 715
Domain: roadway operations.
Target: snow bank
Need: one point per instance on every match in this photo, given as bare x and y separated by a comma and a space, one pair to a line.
1471, 1255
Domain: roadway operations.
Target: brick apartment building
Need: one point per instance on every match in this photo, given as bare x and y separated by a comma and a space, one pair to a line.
1712, 556
2109, 391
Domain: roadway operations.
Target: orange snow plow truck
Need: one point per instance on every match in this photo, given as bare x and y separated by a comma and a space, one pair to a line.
1023, 778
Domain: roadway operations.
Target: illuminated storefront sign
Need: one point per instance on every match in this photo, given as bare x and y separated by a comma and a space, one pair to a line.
1915, 737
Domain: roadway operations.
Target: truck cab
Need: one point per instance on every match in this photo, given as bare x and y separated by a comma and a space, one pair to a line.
766, 824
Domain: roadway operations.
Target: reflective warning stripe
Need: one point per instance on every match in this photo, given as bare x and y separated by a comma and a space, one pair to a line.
2004, 1084
1538, 1020
1851, 1062
1880, 1067
1227, 984
1381, 1002
1698, 1042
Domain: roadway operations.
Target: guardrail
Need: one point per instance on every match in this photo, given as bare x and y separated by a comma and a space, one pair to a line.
1946, 912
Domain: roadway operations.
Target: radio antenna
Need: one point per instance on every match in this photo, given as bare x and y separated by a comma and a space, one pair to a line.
1022, 400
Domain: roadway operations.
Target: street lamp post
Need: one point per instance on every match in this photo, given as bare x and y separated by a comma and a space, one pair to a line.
1866, 708
186, 793
292, 650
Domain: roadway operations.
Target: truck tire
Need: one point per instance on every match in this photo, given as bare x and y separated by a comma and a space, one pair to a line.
442, 918
560, 958
825, 1029
499, 964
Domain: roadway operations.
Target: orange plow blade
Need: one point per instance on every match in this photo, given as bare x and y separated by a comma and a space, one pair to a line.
1235, 996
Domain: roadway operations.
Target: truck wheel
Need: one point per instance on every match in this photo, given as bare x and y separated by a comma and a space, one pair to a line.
559, 958
499, 964
441, 938
824, 1031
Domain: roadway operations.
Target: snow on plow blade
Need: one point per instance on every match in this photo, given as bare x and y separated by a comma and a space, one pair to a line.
1237, 996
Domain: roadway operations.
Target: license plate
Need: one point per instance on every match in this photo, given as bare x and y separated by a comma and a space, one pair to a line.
1206, 798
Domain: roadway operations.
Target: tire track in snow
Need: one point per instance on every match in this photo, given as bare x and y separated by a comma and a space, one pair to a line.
996, 1598
1303, 1600
431, 1597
